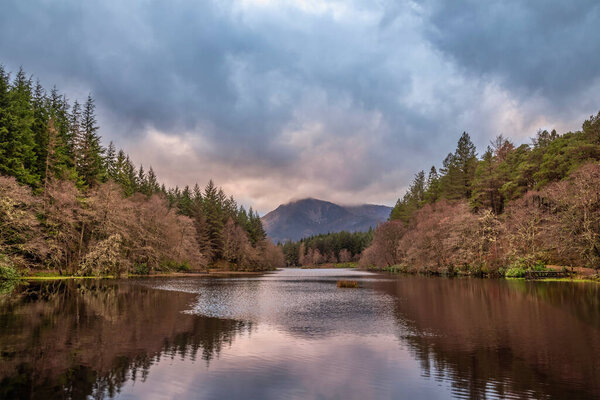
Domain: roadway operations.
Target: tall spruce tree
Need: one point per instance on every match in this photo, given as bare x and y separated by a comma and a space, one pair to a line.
213, 214
153, 185
91, 162
17, 144
110, 161
40, 129
432, 193
413, 199
59, 114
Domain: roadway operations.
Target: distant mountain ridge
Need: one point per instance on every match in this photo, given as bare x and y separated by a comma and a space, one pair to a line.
307, 217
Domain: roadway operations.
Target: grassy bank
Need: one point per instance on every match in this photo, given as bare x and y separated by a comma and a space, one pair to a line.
575, 274
53, 275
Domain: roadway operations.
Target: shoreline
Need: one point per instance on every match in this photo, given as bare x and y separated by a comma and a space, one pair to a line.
218, 273
576, 277
212, 273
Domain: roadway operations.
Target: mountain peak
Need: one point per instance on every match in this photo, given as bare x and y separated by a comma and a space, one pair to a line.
309, 216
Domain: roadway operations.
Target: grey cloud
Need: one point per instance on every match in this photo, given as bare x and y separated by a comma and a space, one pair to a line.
549, 47
276, 101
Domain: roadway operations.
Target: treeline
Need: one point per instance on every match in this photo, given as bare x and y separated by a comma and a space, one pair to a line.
69, 204
329, 248
520, 207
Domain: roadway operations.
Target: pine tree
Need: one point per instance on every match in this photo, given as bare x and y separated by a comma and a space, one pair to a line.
90, 165
212, 211
5, 122
110, 161
465, 158
17, 144
203, 234
185, 202
75, 143
51, 158
242, 218
40, 129
413, 199
459, 170
256, 232
153, 182
142, 182
129, 177
63, 168
432, 193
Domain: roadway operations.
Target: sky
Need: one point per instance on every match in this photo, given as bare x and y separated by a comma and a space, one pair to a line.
339, 100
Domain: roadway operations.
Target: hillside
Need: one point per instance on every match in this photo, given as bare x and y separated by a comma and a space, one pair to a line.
307, 217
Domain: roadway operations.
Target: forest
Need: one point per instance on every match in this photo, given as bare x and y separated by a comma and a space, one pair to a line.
72, 206
512, 209
331, 248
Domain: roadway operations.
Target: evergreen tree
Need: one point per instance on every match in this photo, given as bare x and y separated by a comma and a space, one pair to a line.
153, 182
75, 143
40, 129
413, 199
212, 212
203, 234
59, 114
90, 165
185, 203
51, 154
432, 193
242, 218
256, 232
129, 177
17, 144
110, 161
142, 182
486, 185
459, 169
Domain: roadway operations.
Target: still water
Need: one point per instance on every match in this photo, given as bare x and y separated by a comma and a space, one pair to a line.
294, 334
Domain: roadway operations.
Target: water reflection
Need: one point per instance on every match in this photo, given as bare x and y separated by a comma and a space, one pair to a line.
507, 338
294, 334
69, 339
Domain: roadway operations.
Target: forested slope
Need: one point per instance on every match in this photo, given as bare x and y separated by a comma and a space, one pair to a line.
69, 204
519, 207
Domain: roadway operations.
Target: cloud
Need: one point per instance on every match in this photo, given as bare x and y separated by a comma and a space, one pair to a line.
342, 100
536, 46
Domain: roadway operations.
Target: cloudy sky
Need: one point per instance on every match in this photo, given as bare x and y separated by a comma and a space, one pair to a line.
339, 100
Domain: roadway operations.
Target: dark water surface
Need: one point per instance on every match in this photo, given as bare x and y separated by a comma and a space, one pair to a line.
294, 334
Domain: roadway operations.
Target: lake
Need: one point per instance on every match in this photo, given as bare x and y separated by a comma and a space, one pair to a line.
294, 334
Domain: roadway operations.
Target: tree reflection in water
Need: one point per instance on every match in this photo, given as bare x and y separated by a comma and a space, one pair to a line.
395, 336
73, 339
510, 338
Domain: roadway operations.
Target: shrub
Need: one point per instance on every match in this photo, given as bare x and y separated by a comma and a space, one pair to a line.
8, 273
183, 267
515, 272
141, 269
7, 270
167, 266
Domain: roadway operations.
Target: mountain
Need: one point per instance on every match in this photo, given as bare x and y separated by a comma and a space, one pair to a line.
307, 217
